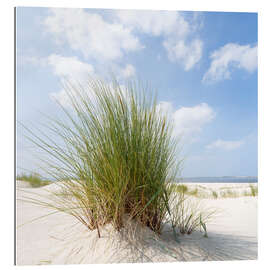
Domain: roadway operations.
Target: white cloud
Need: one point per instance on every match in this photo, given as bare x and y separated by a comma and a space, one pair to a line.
73, 70
69, 67
90, 34
188, 54
188, 121
229, 57
173, 27
225, 145
155, 22
104, 40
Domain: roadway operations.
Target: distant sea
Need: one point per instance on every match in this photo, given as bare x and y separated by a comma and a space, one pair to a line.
223, 179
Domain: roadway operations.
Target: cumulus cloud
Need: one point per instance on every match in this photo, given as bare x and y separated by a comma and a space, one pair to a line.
188, 121
73, 70
109, 39
229, 57
173, 27
76, 71
69, 67
105, 40
189, 54
155, 22
225, 145
90, 34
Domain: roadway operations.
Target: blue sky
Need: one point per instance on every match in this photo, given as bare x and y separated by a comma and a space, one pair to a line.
203, 65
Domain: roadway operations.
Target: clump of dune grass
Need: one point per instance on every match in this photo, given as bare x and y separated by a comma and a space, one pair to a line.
215, 194
116, 156
253, 190
33, 179
188, 214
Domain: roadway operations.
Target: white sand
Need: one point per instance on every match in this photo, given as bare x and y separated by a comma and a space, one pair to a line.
60, 239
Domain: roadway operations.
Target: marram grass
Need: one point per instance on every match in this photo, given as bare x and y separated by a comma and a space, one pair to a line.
116, 158
188, 213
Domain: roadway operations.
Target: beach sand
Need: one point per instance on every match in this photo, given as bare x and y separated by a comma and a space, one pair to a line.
59, 239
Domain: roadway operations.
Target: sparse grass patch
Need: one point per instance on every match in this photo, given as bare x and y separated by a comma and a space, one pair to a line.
229, 194
215, 194
193, 192
253, 190
34, 180
181, 188
189, 215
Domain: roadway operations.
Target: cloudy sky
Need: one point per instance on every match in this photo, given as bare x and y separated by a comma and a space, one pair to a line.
202, 64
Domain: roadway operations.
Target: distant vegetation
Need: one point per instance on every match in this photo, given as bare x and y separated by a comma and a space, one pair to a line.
254, 190
184, 189
189, 215
215, 194
200, 191
34, 180
228, 193
181, 188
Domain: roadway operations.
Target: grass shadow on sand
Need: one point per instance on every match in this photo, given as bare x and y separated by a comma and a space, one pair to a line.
126, 248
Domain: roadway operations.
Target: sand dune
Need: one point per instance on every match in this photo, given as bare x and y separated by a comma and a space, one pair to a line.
59, 239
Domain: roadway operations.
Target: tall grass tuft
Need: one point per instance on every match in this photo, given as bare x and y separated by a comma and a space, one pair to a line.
116, 156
